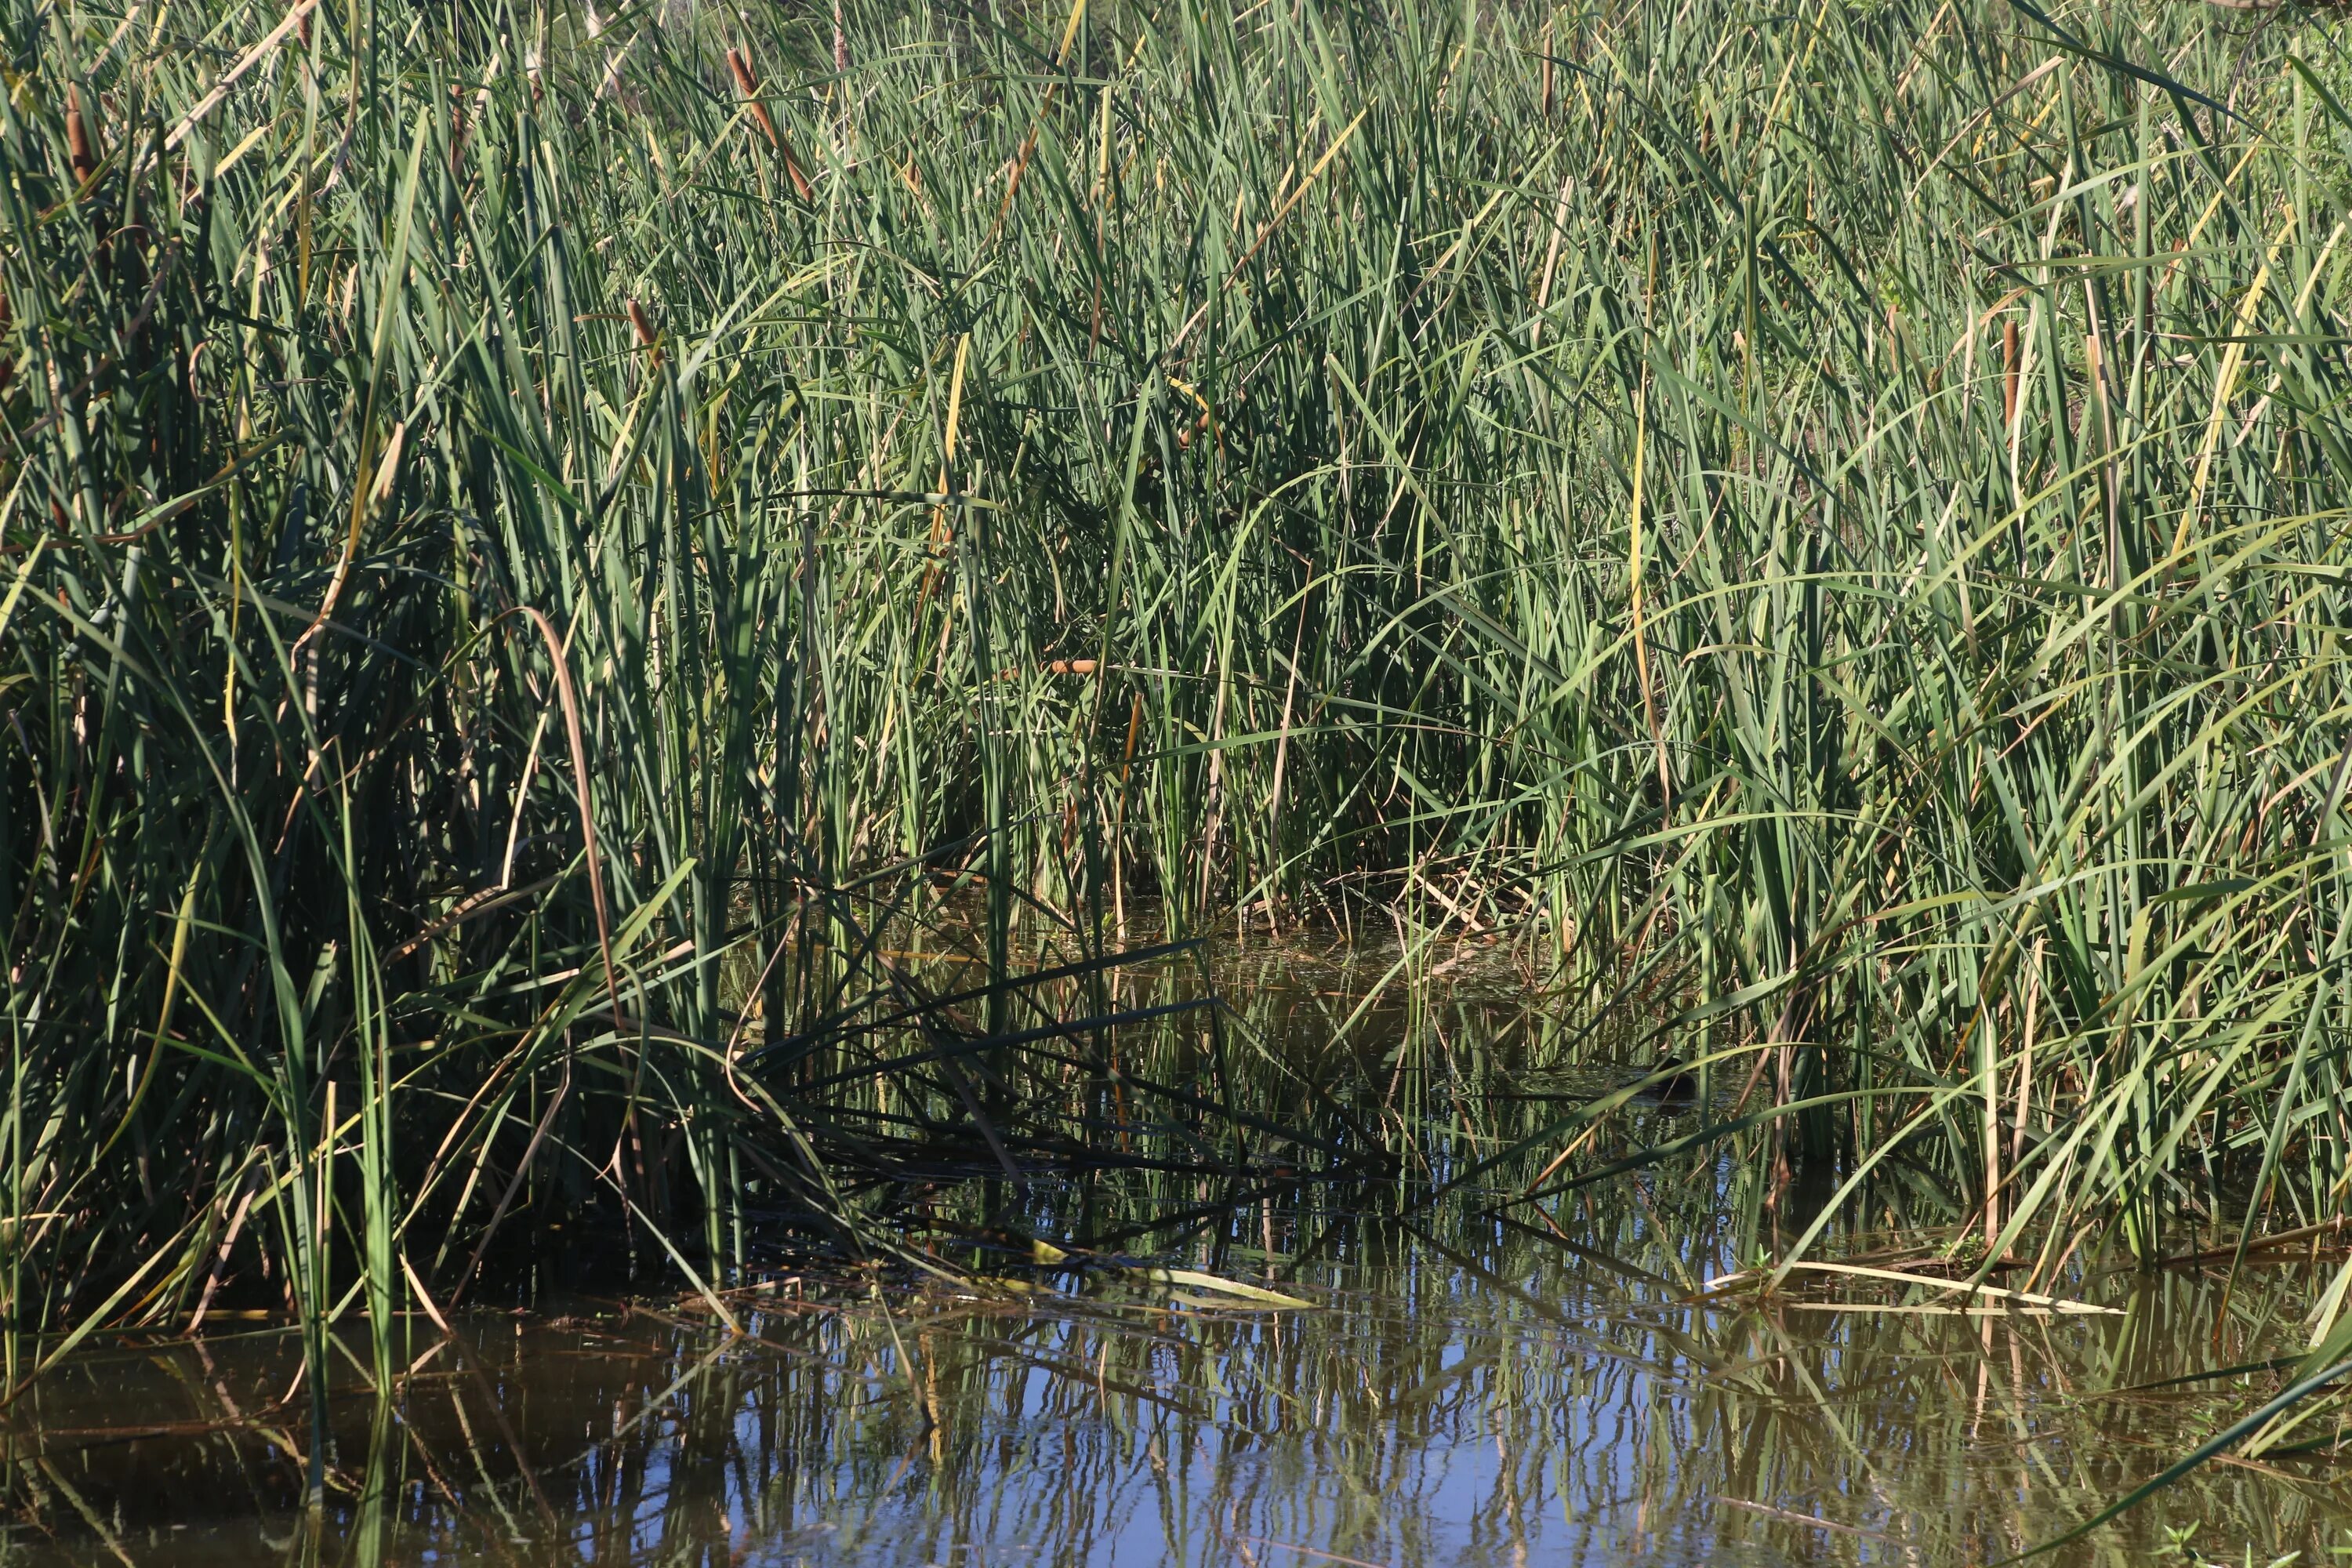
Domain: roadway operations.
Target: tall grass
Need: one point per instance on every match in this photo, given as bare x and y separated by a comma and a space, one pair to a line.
534, 542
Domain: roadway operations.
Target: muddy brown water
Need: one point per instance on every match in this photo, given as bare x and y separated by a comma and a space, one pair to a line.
1469, 1382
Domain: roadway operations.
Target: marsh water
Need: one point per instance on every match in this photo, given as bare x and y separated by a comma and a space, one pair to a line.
1471, 1379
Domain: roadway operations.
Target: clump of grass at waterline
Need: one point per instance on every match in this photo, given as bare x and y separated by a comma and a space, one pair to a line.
511, 514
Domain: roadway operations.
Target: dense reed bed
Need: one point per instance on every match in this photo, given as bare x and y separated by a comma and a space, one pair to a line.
543, 548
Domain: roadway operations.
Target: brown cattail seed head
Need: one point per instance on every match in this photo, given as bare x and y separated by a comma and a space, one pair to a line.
749, 86
79, 146
2010, 369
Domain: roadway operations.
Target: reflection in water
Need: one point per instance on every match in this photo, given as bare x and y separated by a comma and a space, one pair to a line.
1471, 1385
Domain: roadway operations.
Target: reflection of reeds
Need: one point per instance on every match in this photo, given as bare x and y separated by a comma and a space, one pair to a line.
528, 550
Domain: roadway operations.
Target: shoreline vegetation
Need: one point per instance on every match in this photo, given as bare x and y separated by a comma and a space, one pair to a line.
540, 548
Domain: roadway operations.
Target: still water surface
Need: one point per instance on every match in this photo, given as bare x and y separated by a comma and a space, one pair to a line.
1468, 1384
